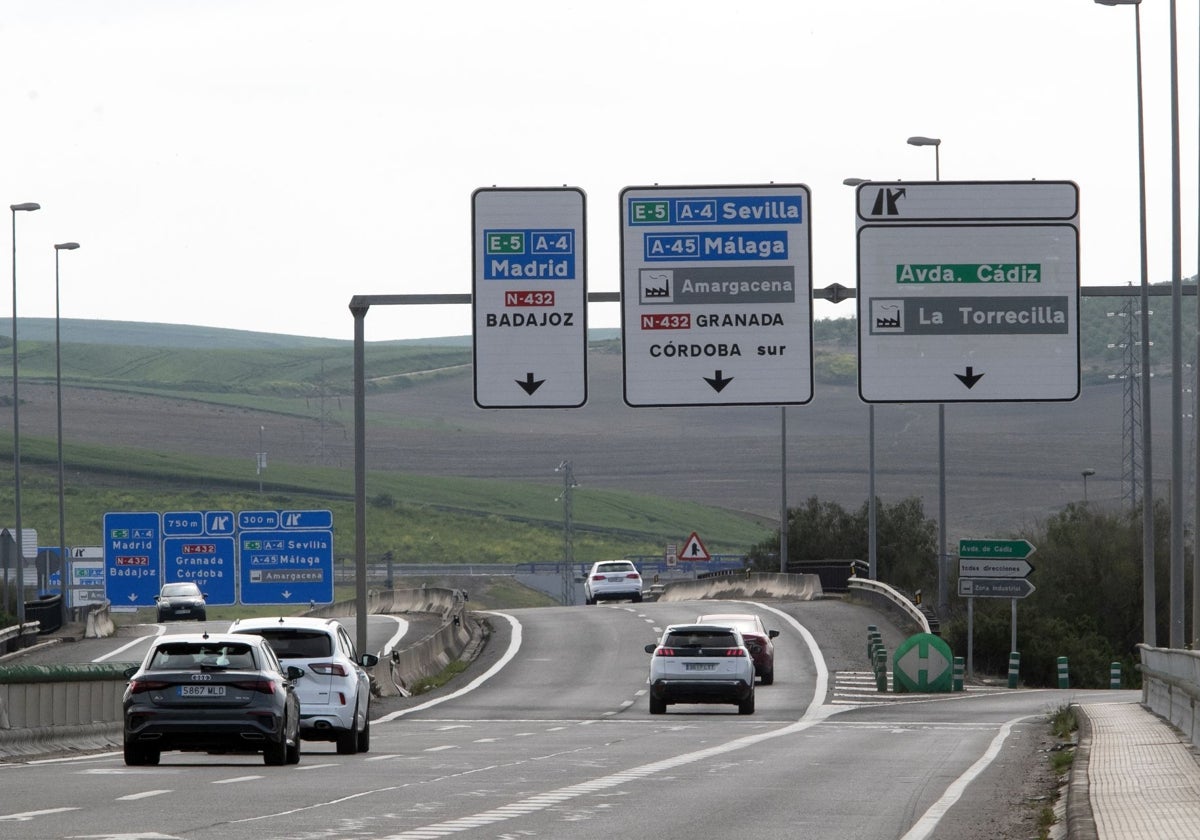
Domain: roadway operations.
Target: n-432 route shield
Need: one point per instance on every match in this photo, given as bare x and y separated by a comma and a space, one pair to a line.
716, 295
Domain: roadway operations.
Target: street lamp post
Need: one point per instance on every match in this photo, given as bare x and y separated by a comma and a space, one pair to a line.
1149, 617
943, 559
872, 523
262, 457
62, 516
27, 207
1086, 473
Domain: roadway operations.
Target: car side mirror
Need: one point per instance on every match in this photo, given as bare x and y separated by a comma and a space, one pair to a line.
774, 634
294, 673
651, 648
368, 660
156, 598
130, 671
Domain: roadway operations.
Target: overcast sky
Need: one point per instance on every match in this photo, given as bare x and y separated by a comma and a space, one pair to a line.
253, 164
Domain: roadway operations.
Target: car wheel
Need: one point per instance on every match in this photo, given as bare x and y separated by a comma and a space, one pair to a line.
364, 737
347, 742
768, 677
293, 751
591, 602
276, 752
746, 707
658, 707
136, 756
637, 599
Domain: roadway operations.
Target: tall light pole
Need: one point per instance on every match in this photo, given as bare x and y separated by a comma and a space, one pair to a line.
1177, 547
62, 516
27, 207
1086, 473
943, 559
872, 522
262, 458
1149, 616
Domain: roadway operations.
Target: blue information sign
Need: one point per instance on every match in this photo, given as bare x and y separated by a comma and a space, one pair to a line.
286, 567
132, 558
206, 561
256, 520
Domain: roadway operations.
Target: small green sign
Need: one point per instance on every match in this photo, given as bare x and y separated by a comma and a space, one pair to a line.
969, 273
923, 662
993, 549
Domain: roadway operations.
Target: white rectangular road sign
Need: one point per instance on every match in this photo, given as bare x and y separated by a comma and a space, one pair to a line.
530, 298
968, 291
716, 295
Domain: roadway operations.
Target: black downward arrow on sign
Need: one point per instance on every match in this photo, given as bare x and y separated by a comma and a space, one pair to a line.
969, 378
530, 384
718, 382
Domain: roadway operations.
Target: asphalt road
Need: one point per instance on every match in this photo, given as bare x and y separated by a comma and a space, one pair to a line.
548, 735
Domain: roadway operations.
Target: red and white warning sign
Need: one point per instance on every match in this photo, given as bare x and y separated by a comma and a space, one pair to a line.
694, 550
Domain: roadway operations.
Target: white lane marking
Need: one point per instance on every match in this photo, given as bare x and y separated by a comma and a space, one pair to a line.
929, 820
146, 794
401, 630
25, 816
514, 645
318, 766
236, 779
441, 748
139, 640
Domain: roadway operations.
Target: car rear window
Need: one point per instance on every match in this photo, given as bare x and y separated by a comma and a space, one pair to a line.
188, 656
686, 639
616, 567
290, 643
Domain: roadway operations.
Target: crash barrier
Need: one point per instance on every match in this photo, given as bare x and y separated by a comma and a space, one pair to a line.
1171, 687
835, 575
18, 637
753, 585
882, 595
43, 703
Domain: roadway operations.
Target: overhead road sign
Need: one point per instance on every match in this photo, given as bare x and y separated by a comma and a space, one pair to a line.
995, 587
717, 295
1003, 549
290, 563
968, 291
530, 297
132, 558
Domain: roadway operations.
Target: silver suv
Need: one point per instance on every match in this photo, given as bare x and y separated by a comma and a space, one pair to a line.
335, 694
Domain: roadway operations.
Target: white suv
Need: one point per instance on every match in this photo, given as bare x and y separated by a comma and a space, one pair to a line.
615, 580
701, 663
335, 694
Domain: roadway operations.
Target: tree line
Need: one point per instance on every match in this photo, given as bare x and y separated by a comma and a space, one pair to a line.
1087, 605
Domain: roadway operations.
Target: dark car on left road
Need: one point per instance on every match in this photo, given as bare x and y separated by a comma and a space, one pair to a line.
181, 600
216, 693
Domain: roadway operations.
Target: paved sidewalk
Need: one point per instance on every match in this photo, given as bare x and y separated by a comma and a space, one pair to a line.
1139, 776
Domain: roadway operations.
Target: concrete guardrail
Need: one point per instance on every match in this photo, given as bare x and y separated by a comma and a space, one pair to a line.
752, 585
1171, 687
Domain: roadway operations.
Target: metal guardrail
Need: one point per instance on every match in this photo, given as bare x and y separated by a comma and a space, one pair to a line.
882, 591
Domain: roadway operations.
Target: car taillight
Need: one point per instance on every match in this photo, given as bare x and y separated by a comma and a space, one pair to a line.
633, 576
261, 686
737, 652
599, 577
664, 651
140, 686
335, 669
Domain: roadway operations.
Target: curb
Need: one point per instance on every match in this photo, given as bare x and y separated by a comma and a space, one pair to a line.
1081, 821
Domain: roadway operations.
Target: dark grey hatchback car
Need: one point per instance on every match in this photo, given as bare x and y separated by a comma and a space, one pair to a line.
215, 693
